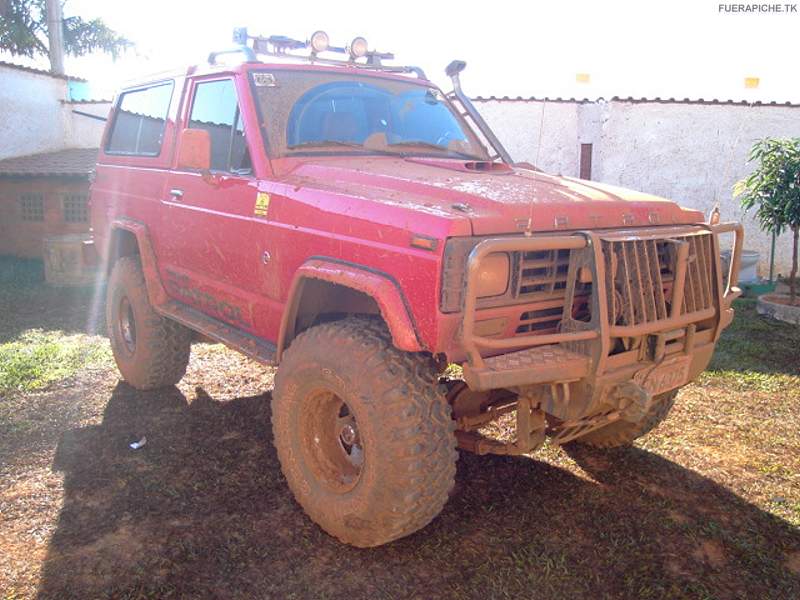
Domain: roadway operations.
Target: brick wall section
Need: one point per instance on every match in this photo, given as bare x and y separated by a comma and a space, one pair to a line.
25, 238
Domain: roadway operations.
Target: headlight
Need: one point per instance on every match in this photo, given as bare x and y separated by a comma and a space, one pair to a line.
493, 282
493, 275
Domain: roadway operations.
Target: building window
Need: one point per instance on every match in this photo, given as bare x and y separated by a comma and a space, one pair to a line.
31, 207
75, 210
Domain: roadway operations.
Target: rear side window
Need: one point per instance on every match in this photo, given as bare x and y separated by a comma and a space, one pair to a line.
216, 110
140, 120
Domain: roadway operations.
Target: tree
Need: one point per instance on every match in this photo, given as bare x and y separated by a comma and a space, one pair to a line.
23, 32
773, 188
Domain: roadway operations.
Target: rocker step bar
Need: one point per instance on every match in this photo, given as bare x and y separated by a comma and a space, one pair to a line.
249, 345
540, 364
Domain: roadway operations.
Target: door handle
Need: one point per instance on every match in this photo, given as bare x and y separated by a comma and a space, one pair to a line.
176, 193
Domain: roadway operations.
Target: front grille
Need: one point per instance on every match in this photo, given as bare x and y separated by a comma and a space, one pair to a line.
640, 275
547, 320
542, 274
540, 320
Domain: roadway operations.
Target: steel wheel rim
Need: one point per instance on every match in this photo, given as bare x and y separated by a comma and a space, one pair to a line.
127, 325
331, 441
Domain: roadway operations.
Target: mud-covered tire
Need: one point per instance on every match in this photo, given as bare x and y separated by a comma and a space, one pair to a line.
403, 423
153, 352
622, 433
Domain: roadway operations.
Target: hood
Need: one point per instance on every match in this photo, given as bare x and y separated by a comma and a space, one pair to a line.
498, 200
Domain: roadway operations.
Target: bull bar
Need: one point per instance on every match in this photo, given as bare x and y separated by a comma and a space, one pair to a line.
545, 358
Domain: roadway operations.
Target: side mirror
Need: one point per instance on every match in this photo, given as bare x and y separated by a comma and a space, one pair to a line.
194, 150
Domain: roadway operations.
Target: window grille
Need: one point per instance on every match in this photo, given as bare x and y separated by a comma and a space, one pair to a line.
31, 207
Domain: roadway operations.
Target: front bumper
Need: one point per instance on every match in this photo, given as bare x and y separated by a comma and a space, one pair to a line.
629, 301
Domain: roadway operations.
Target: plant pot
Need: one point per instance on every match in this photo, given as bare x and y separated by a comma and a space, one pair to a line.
777, 306
754, 290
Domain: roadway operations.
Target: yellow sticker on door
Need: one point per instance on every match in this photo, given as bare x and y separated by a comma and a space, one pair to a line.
262, 204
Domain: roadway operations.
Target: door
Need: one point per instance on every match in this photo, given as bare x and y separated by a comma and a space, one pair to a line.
212, 263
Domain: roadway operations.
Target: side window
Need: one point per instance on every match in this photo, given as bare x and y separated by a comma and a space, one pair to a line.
216, 110
141, 115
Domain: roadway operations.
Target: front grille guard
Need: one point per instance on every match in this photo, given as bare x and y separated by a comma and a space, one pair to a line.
601, 332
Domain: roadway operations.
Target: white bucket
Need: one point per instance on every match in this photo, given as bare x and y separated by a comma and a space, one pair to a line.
748, 269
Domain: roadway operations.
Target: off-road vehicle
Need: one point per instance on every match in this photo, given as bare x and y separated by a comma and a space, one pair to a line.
365, 231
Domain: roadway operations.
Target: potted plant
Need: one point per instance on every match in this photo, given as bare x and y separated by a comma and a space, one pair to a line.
773, 189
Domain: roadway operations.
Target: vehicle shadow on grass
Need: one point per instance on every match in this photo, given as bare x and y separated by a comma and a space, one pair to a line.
202, 511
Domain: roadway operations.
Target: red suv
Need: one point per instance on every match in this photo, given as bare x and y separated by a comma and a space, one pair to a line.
352, 223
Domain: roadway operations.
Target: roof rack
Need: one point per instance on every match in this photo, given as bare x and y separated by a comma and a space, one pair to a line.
285, 47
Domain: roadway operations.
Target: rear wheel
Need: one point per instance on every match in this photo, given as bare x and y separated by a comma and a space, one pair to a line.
364, 437
151, 351
623, 433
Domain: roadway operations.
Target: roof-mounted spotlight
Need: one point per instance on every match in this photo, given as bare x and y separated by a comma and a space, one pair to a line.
319, 42
358, 48
240, 36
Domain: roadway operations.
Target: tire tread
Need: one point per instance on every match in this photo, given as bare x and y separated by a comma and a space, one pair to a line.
418, 431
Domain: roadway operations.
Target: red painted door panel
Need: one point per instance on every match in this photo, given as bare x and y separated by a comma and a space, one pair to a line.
213, 261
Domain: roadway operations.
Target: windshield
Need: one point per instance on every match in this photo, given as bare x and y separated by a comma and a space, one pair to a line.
312, 112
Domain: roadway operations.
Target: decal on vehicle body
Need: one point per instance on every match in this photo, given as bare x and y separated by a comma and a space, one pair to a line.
181, 285
264, 80
262, 204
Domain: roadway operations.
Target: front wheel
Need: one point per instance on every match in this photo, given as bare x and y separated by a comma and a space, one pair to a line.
364, 437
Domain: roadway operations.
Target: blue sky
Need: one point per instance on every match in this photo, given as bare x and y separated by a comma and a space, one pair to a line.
682, 48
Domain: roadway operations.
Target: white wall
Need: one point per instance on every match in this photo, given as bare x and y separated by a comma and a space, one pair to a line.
85, 132
691, 153
32, 118
520, 124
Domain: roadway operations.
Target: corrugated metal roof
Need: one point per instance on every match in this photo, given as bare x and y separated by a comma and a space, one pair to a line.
72, 162
39, 71
631, 99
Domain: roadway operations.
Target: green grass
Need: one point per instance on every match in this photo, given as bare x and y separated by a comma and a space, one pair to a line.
37, 358
752, 353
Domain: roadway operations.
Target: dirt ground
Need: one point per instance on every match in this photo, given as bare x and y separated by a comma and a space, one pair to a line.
708, 506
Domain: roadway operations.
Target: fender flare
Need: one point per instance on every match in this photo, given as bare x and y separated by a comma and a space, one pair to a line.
155, 289
380, 286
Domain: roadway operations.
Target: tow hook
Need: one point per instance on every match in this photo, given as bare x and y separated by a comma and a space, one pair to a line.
633, 401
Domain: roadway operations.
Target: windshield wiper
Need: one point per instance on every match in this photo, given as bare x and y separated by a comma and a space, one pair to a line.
325, 143
432, 146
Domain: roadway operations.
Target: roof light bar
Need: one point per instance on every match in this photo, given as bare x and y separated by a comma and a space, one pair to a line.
358, 48
319, 42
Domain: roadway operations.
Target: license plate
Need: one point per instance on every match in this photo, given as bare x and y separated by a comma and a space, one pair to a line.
667, 376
